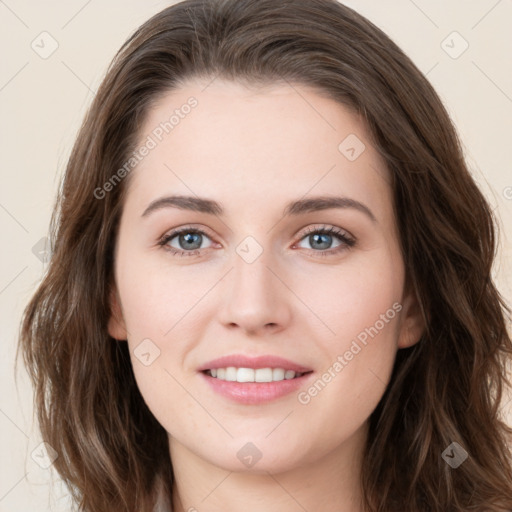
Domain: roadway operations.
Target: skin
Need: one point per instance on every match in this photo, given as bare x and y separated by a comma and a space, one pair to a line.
254, 150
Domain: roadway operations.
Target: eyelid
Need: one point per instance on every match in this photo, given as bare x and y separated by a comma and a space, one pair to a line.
190, 227
328, 228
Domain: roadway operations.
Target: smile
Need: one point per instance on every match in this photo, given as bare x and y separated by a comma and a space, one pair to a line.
252, 392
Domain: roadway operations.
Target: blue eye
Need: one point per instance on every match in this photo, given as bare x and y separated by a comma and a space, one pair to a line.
322, 238
189, 241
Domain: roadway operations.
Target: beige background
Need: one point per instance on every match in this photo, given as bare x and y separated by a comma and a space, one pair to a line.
42, 102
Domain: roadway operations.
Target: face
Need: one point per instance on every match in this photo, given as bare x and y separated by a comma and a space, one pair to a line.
318, 283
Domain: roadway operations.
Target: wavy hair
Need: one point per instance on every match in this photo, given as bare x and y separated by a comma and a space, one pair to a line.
113, 454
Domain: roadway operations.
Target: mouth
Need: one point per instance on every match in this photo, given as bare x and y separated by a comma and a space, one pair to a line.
250, 386
253, 380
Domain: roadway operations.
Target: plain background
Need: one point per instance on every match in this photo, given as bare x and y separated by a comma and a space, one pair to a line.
43, 100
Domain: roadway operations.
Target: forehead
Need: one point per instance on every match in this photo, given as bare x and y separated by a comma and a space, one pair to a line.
272, 143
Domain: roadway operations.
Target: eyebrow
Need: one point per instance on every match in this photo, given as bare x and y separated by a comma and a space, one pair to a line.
301, 206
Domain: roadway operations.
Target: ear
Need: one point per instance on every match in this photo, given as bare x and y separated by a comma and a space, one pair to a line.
412, 324
116, 325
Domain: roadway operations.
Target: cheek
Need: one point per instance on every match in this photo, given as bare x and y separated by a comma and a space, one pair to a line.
157, 295
359, 307
162, 306
349, 298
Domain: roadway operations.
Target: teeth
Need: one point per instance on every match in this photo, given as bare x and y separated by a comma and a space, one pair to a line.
250, 375
290, 374
231, 374
278, 374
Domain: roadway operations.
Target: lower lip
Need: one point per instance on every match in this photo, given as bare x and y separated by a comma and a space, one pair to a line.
252, 393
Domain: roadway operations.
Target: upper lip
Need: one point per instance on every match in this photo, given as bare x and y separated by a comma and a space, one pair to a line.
265, 361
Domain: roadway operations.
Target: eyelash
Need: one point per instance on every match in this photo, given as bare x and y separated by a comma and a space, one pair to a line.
347, 241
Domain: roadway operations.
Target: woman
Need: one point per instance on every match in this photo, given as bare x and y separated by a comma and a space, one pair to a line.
193, 348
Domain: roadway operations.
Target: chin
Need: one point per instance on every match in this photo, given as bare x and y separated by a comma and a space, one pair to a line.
257, 457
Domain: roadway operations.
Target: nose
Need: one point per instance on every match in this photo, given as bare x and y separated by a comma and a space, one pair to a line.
255, 298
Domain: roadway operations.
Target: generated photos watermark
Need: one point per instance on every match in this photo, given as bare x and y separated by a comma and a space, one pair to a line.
151, 142
358, 343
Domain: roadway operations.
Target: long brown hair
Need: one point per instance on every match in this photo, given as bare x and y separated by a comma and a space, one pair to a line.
447, 388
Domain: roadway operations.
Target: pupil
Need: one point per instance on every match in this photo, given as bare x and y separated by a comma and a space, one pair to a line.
317, 238
189, 239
